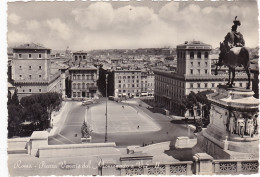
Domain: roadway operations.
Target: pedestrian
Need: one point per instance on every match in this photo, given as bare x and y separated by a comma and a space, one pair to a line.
138, 127
76, 134
167, 133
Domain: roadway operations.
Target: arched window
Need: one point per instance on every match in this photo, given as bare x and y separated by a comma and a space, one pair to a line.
206, 55
199, 55
191, 55
74, 86
83, 85
78, 85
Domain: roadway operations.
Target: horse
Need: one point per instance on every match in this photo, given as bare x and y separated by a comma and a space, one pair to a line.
232, 58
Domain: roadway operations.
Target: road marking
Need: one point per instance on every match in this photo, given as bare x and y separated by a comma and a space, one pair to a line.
57, 140
66, 138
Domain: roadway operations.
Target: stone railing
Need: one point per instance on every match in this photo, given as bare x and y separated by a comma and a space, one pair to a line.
235, 166
175, 168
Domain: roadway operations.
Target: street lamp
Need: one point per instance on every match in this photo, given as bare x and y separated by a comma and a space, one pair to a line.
106, 110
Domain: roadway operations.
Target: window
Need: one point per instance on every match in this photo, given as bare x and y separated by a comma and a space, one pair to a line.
83, 77
40, 55
30, 76
78, 94
74, 86
30, 67
23, 90
206, 71
30, 90
206, 85
74, 94
123, 85
20, 76
128, 77
191, 85
199, 55
133, 77
192, 55
119, 81
40, 67
40, 90
30, 55
191, 63
78, 85
20, 55
240, 84
206, 63
198, 85
20, 67
78, 77
191, 71
213, 84
119, 85
198, 71
206, 55
83, 85
198, 63
40, 76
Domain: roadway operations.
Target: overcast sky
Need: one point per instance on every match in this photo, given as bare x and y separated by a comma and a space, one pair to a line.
107, 25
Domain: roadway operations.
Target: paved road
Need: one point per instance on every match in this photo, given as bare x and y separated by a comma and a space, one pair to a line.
73, 121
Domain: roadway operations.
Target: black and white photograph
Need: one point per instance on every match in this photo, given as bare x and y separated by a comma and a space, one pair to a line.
130, 87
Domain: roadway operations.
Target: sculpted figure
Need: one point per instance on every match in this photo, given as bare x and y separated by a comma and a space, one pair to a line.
232, 123
241, 125
250, 127
256, 123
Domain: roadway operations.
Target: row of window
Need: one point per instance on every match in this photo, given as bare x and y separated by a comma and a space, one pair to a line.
30, 67
205, 71
124, 86
29, 55
169, 81
30, 76
30, 90
83, 77
199, 54
206, 85
128, 77
129, 81
128, 91
80, 57
206, 64
83, 85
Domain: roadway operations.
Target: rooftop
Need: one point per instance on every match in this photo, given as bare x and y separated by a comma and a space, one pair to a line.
83, 68
194, 45
30, 46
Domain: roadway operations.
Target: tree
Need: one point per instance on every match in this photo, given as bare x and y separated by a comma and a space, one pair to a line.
13, 99
14, 119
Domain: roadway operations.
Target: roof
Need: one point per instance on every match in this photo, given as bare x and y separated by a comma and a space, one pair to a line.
83, 68
30, 46
194, 45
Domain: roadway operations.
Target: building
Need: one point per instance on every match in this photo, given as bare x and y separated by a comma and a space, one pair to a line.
77, 57
147, 83
31, 70
127, 83
83, 82
193, 74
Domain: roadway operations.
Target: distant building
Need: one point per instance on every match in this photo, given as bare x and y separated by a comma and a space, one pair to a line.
77, 57
147, 83
31, 66
83, 82
193, 74
127, 83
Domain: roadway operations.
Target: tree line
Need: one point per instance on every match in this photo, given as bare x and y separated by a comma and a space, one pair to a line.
31, 112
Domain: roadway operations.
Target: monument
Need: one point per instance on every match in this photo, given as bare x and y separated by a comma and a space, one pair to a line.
86, 133
233, 129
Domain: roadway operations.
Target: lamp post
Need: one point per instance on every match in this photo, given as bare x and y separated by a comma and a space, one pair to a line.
106, 110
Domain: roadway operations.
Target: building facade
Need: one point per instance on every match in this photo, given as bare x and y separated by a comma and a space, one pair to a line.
127, 83
83, 82
147, 83
193, 74
31, 70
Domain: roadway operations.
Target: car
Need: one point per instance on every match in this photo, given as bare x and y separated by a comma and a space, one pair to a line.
87, 102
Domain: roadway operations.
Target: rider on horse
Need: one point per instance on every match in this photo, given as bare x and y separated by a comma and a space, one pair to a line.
233, 39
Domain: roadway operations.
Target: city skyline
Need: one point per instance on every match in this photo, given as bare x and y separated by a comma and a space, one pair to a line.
128, 25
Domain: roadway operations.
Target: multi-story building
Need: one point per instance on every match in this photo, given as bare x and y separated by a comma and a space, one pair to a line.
83, 81
147, 83
127, 83
193, 74
77, 57
31, 71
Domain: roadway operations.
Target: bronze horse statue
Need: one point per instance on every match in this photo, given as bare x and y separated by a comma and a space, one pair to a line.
233, 57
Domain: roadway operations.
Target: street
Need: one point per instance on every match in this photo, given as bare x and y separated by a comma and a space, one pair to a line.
131, 125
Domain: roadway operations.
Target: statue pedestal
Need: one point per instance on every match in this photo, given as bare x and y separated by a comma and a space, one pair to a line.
221, 138
86, 140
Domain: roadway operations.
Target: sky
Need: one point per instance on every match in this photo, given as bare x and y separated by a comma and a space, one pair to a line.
128, 25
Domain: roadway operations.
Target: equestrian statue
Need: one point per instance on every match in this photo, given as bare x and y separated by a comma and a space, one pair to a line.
233, 54
85, 131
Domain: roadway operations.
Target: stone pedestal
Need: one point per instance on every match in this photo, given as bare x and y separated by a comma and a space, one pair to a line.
38, 138
203, 164
221, 139
86, 140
